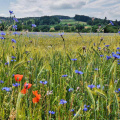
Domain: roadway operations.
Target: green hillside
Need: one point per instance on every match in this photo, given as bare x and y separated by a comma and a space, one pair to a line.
79, 23
71, 21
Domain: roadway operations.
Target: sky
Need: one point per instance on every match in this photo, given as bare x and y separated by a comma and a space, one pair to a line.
37, 8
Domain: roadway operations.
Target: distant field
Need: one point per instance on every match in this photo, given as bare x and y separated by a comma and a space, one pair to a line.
72, 21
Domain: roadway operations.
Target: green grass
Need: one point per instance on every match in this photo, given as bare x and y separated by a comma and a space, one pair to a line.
51, 58
72, 21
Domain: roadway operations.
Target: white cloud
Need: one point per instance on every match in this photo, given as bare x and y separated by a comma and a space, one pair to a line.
104, 8
2, 15
71, 4
37, 8
26, 8
95, 8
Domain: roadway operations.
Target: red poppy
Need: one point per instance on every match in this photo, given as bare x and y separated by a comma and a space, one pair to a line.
36, 99
18, 77
27, 85
23, 91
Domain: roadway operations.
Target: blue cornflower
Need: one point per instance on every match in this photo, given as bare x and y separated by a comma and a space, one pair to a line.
2, 33
63, 101
2, 38
118, 89
13, 57
1, 81
107, 45
118, 48
119, 32
99, 48
98, 86
15, 33
6, 88
33, 25
101, 55
85, 109
118, 52
113, 53
108, 57
111, 23
115, 81
51, 112
74, 59
96, 68
70, 89
16, 84
31, 58
15, 27
116, 56
6, 63
64, 75
43, 82
13, 41
26, 52
71, 110
11, 12
13, 60
85, 106
74, 114
79, 72
91, 86
15, 19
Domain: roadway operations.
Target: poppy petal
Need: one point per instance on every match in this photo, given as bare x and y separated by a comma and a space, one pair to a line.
38, 96
23, 91
27, 85
35, 100
18, 77
35, 92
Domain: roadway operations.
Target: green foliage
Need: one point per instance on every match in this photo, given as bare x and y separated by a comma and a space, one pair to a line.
45, 28
57, 27
79, 27
111, 29
64, 23
82, 18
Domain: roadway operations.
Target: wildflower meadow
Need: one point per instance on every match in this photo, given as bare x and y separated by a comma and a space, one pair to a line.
59, 76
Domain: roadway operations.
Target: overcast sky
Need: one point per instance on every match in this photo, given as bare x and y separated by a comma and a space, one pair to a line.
37, 8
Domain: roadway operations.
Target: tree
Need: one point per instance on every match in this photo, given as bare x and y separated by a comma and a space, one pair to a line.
57, 27
79, 27
82, 18
73, 28
45, 28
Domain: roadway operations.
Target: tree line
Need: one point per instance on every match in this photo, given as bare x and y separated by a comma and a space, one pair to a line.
53, 24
